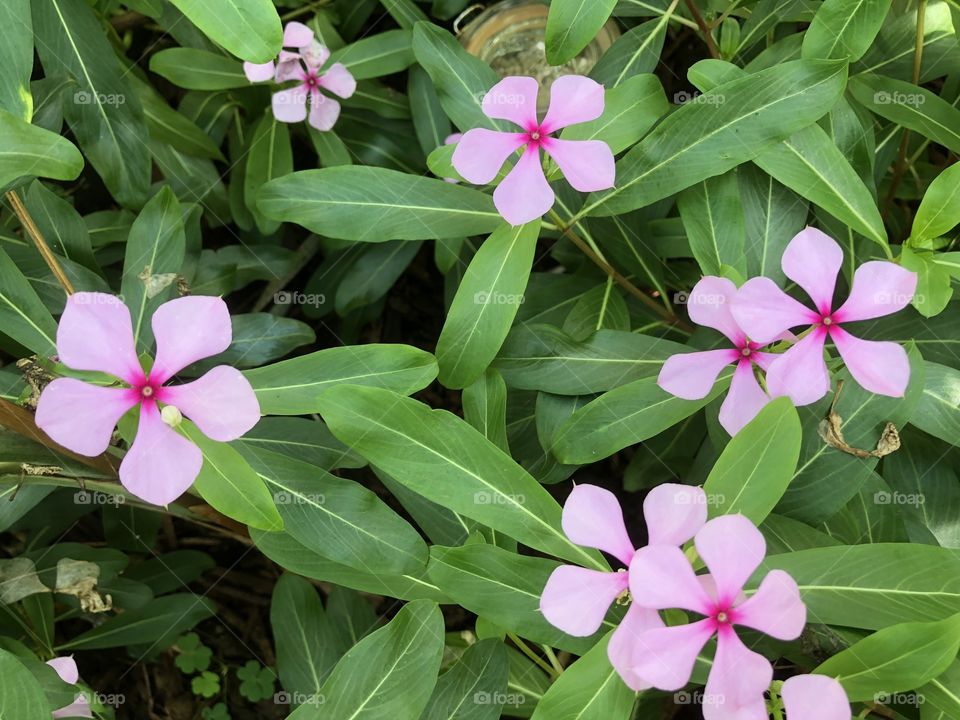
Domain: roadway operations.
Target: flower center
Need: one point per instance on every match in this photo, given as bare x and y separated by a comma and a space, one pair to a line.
146, 391
827, 321
722, 617
311, 81
535, 135
746, 352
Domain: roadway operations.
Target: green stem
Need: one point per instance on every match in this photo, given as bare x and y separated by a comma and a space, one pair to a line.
526, 650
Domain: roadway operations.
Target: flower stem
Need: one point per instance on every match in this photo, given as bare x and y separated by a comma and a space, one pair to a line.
31, 229
704, 29
526, 650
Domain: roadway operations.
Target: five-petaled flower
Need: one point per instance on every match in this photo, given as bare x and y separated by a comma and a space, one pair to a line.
576, 599
96, 334
814, 697
661, 578
524, 194
304, 65
813, 261
692, 375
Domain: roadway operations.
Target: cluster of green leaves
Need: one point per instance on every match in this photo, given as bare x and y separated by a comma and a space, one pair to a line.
152, 167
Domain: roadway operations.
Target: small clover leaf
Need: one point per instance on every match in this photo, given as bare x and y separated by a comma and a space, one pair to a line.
217, 712
206, 684
194, 655
256, 681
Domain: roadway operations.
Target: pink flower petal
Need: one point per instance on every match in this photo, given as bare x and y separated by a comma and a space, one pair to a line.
289, 67
622, 649
738, 679
338, 80
297, 35
324, 112
775, 609
592, 518
524, 195
763, 360
515, 99
161, 464
812, 260
573, 99
290, 106
188, 329
880, 367
661, 577
221, 403
315, 55
66, 668
732, 548
745, 399
815, 697
481, 153
79, 708
587, 165
674, 513
576, 599
452, 138
879, 288
80, 416
95, 333
710, 304
801, 372
691, 376
765, 312
259, 72
665, 656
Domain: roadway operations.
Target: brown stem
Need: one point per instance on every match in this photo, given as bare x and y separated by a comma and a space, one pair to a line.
31, 229
704, 29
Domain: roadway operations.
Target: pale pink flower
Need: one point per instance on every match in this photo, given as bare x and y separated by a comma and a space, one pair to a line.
815, 697
525, 194
95, 333
813, 261
452, 139
661, 577
304, 65
576, 599
66, 668
691, 376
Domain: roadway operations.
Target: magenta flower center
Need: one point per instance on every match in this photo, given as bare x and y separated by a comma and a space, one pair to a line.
826, 321
722, 616
311, 81
538, 136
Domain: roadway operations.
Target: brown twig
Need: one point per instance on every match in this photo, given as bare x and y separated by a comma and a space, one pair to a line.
704, 29
31, 229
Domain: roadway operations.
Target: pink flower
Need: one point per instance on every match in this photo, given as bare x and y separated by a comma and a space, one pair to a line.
813, 260
661, 577
692, 375
525, 194
304, 66
576, 599
452, 139
95, 333
66, 668
815, 697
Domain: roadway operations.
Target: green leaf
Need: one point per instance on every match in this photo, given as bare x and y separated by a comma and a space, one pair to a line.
259, 338
873, 586
939, 410
339, 518
572, 24
303, 636
460, 79
198, 69
934, 289
170, 126
21, 695
389, 675
713, 218
755, 468
503, 587
939, 211
636, 51
429, 120
844, 29
486, 303
250, 29
468, 473
485, 407
911, 106
157, 623
23, 315
230, 485
895, 659
588, 688
269, 156
543, 357
154, 255
473, 687
941, 694
104, 113
381, 54
702, 139
376, 204
60, 225
29, 150
16, 58
305, 440
405, 12
621, 417
773, 215
374, 271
